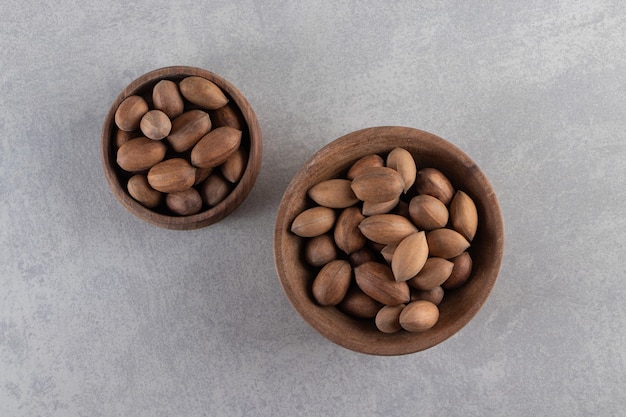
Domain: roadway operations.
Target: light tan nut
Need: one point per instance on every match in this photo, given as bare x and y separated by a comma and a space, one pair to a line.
410, 256
434, 273
419, 316
314, 222
363, 164
463, 215
378, 185
369, 208
334, 193
388, 319
446, 243
386, 228
428, 212
402, 161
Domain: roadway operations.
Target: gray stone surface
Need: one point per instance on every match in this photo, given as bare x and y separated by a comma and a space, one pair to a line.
102, 314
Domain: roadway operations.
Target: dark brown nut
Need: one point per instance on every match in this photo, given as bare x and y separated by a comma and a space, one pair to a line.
358, 304
185, 202
320, 250
214, 190
348, 236
228, 115
435, 295
234, 167
460, 272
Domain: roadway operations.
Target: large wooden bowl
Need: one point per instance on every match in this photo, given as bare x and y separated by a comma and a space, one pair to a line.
251, 140
458, 306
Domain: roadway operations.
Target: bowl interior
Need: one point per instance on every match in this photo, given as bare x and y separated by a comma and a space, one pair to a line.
251, 140
458, 306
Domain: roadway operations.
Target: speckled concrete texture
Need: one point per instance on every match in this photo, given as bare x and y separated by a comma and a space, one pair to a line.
102, 314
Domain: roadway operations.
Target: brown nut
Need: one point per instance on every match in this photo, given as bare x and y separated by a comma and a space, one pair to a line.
361, 256
140, 153
314, 222
188, 129
402, 161
215, 147
428, 212
446, 243
358, 304
419, 316
333, 193
364, 164
434, 295
320, 250
460, 272
370, 209
410, 256
202, 92
166, 97
172, 175
347, 234
433, 182
388, 319
234, 167
202, 174
228, 115
434, 273
140, 190
377, 281
386, 228
185, 203
332, 282
214, 190
155, 125
378, 184
463, 215
129, 113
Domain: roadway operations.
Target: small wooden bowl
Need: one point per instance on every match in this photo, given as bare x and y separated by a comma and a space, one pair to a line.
117, 178
458, 306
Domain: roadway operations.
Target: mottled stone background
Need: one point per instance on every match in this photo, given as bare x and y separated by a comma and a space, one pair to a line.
102, 314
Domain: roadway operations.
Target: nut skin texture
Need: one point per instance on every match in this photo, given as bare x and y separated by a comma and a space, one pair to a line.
140, 190
122, 136
172, 175
320, 250
377, 281
419, 316
361, 256
202, 92
378, 185
370, 209
129, 113
188, 129
433, 182
402, 161
427, 212
363, 164
166, 97
214, 190
347, 234
334, 193
460, 272
446, 243
388, 319
184, 203
314, 222
434, 273
358, 304
234, 167
215, 147
228, 115
155, 125
410, 256
332, 282
387, 228
435, 295
202, 174
140, 153
463, 215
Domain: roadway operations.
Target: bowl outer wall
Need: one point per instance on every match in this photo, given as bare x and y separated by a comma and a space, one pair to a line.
458, 307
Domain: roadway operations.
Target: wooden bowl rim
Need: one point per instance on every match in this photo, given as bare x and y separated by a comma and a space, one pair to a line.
236, 196
329, 321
